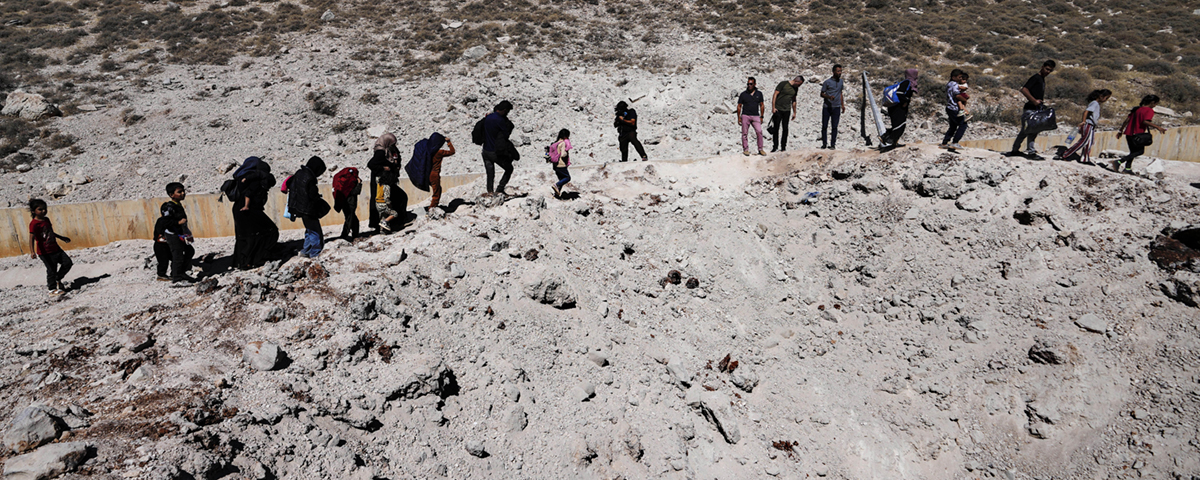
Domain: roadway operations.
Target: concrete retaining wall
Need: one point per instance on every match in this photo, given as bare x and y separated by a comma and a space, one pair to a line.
100, 223
1182, 143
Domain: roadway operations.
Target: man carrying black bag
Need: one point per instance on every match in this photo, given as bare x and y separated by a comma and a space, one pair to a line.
497, 148
1034, 92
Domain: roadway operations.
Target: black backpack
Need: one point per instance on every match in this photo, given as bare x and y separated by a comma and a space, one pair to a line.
229, 190
478, 133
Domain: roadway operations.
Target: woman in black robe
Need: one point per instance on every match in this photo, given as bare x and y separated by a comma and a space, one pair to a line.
256, 236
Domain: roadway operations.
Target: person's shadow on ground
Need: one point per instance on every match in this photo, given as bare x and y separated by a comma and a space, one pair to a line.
568, 196
455, 204
81, 282
1196, 185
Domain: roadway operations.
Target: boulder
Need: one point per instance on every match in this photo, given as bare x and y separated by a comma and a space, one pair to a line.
47, 462
714, 407
552, 289
1046, 351
1092, 323
29, 106
413, 376
31, 428
475, 53
263, 356
517, 419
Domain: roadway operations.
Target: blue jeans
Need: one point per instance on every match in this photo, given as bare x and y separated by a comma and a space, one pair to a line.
563, 176
313, 237
830, 115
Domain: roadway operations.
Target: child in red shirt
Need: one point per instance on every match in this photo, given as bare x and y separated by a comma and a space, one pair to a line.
43, 241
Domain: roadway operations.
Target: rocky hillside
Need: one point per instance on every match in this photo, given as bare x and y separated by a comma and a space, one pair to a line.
855, 315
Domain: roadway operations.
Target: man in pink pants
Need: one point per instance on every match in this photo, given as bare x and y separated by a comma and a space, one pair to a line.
749, 112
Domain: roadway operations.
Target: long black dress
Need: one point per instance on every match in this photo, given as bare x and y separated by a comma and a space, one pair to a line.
378, 162
256, 236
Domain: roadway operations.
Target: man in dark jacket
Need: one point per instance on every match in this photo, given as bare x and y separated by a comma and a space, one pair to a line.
304, 201
497, 148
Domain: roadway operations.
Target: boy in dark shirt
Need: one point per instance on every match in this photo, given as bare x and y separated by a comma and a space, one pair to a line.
626, 123
171, 230
43, 241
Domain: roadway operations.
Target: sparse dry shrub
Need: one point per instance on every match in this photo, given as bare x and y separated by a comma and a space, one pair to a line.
1071, 84
1102, 72
1154, 67
1177, 88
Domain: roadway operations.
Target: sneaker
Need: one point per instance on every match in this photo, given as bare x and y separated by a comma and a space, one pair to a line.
385, 228
943, 145
1058, 157
746, 153
644, 159
163, 278
774, 149
56, 292
557, 191
1128, 171
884, 145
760, 152
1014, 153
956, 146
183, 282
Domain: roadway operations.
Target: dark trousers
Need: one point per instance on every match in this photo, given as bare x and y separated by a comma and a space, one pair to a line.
563, 176
372, 212
624, 140
958, 127
57, 266
1134, 152
898, 114
779, 138
350, 226
830, 115
1024, 134
181, 257
490, 160
162, 253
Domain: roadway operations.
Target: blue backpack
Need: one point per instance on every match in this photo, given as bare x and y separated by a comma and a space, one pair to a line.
891, 95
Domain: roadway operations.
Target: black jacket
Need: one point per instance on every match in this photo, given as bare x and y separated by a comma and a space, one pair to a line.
304, 199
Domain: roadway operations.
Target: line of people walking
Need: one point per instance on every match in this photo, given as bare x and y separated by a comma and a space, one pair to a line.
256, 235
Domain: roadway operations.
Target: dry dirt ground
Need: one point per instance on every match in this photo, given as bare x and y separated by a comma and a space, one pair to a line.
914, 314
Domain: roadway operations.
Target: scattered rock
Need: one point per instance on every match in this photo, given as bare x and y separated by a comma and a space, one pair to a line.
517, 419
328, 16
1048, 351
475, 448
47, 462
598, 358
262, 355
207, 286
583, 392
475, 53
1092, 323
135, 341
714, 407
692, 283
30, 428
744, 378
552, 289
28, 106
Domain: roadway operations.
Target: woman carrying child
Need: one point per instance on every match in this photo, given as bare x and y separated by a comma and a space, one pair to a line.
1087, 128
560, 156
